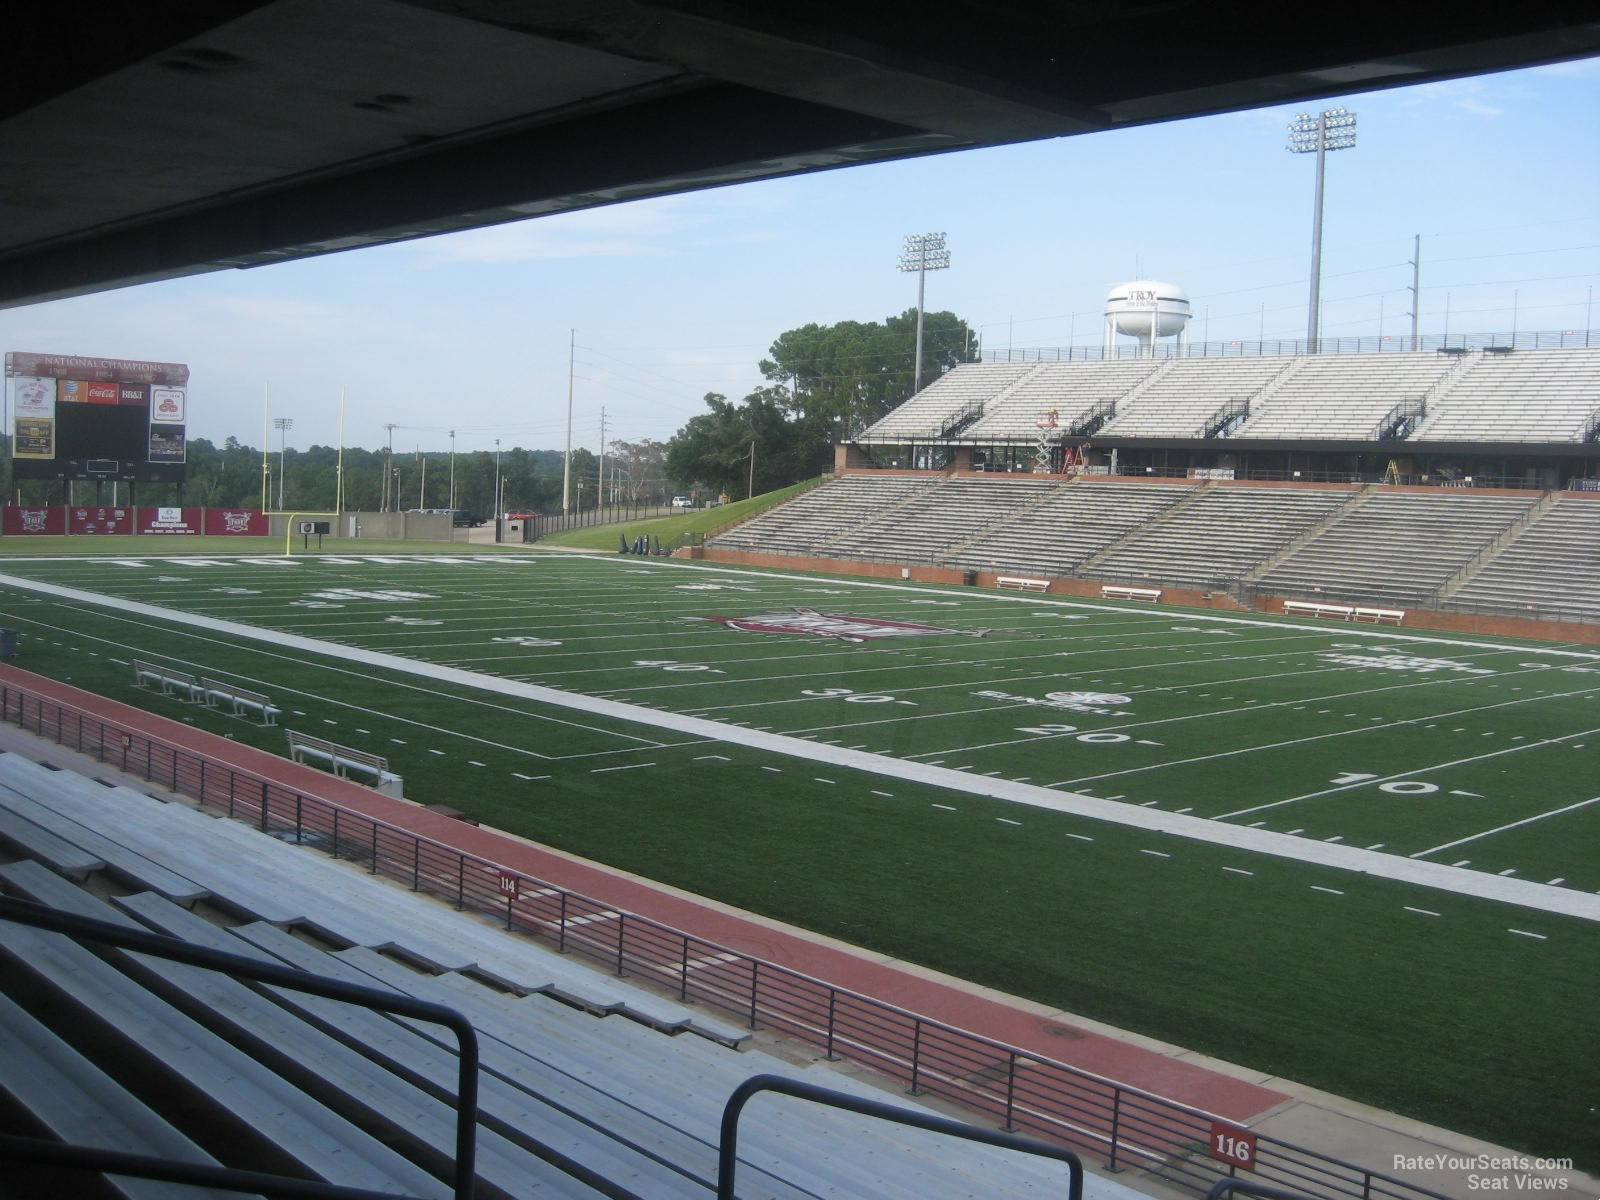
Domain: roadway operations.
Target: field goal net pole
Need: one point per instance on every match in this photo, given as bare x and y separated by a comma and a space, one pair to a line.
305, 524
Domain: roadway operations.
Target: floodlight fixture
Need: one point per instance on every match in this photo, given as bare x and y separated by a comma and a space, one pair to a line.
282, 425
923, 252
1331, 129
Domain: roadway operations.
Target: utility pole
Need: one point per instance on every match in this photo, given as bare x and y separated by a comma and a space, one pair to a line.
452, 472
600, 479
388, 470
1416, 289
750, 488
497, 484
422, 481
566, 468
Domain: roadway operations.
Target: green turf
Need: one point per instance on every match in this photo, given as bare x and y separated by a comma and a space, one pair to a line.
1450, 1018
680, 529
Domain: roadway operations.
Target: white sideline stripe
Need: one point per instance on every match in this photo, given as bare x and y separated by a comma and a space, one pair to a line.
1554, 812
1418, 872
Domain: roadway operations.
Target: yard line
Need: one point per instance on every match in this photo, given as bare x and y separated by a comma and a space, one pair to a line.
472, 762
885, 795
1238, 870
1331, 891
1555, 812
1426, 912
946, 807
1525, 933
431, 750
1082, 837
1156, 853
626, 767
1411, 775
1007, 821
819, 779
1522, 892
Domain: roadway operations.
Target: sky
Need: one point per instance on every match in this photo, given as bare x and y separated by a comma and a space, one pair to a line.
650, 305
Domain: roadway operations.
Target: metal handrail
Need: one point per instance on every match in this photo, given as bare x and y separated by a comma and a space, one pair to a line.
728, 1153
1051, 1097
26, 912
1248, 1187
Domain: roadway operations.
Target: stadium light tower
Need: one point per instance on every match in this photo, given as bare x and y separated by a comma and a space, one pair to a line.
282, 425
923, 252
1331, 129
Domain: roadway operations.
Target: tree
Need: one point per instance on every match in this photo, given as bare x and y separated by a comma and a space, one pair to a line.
848, 375
636, 471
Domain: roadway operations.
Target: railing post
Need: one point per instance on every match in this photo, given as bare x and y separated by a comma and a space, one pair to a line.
683, 971
416, 864
202, 777
755, 969
264, 786
833, 1001
622, 931
916, 1056
461, 882
1116, 1120
299, 824
336, 833
1011, 1092
561, 930
374, 870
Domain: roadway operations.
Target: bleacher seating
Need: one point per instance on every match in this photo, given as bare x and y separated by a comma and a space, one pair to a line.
928, 412
1221, 535
1397, 547
936, 518
1528, 396
571, 1103
1073, 524
822, 514
1342, 396
1071, 388
1551, 567
1179, 401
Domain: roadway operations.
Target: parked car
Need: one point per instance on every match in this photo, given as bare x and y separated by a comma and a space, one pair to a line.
682, 502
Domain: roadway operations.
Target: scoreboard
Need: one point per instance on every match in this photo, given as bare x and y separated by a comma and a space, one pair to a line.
97, 418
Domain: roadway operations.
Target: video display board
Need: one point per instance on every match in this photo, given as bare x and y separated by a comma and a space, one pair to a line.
97, 418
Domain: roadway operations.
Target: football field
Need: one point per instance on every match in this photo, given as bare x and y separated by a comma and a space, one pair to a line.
1362, 858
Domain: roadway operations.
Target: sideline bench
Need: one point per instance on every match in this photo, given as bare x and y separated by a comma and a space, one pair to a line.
171, 682
1021, 583
345, 761
1379, 616
1120, 591
243, 700
1313, 608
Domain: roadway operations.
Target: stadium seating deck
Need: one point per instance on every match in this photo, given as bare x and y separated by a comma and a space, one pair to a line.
926, 413
1398, 547
572, 1104
1343, 396
937, 518
1532, 395
1551, 565
1221, 535
822, 514
1179, 401
1070, 388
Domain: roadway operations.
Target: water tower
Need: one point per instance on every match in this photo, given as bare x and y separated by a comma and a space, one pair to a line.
1146, 309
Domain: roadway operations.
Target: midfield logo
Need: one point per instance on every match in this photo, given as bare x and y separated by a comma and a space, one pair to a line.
839, 625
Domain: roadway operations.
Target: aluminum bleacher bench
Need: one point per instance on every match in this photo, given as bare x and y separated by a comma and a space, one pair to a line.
1313, 608
244, 701
1379, 616
1021, 583
178, 683
345, 761
1119, 591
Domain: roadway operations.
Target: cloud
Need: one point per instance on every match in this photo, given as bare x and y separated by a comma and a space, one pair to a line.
1479, 107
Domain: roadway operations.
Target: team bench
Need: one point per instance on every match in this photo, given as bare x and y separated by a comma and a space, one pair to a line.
243, 700
1021, 583
1344, 612
1121, 591
345, 761
171, 682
